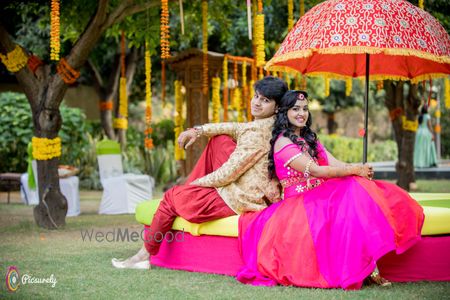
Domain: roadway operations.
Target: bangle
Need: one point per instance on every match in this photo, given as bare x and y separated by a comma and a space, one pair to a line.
308, 165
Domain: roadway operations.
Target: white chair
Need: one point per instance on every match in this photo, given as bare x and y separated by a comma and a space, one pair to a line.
68, 186
121, 192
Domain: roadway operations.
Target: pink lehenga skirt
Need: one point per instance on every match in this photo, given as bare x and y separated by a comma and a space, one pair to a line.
330, 236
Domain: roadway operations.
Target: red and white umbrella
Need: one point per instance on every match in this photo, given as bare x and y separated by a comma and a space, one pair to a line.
377, 39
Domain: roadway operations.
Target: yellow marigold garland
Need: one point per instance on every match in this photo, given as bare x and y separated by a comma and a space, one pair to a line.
164, 29
215, 99
120, 123
15, 60
421, 4
302, 8
225, 88
348, 86
237, 103
379, 85
290, 14
246, 99
45, 149
205, 46
179, 152
327, 87
447, 92
148, 141
54, 31
252, 94
123, 98
259, 40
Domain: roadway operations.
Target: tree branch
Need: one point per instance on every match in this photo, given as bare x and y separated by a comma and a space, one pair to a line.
124, 10
98, 81
25, 77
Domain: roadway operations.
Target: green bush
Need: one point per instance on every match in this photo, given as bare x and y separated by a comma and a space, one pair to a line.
445, 133
351, 149
16, 131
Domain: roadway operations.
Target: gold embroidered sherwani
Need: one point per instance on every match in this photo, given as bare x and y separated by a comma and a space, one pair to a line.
243, 180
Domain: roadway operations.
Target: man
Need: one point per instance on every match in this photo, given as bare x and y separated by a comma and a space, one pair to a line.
230, 177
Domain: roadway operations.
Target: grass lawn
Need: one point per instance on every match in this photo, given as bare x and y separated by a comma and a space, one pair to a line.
83, 269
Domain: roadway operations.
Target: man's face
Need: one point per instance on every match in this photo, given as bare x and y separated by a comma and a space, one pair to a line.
262, 107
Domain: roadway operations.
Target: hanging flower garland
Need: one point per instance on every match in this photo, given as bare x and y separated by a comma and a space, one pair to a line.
225, 88
165, 46
15, 60
348, 86
246, 99
148, 141
54, 31
164, 29
121, 122
302, 8
252, 94
421, 4
45, 149
303, 84
123, 98
259, 40
205, 46
215, 99
237, 103
447, 92
290, 14
68, 74
327, 87
379, 85
179, 152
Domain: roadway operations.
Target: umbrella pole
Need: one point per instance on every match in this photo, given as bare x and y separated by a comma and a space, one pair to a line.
366, 109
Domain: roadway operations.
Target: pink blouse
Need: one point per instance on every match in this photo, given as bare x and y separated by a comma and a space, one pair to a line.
293, 181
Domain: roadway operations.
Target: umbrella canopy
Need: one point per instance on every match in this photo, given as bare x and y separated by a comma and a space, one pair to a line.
332, 38
378, 39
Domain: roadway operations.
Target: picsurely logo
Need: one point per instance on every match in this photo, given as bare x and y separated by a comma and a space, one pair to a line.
13, 279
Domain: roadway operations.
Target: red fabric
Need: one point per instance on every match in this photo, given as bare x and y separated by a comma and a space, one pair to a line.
196, 204
427, 260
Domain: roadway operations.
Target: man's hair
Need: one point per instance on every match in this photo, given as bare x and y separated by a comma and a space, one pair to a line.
272, 88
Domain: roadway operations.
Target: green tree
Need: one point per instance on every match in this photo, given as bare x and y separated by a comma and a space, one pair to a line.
45, 89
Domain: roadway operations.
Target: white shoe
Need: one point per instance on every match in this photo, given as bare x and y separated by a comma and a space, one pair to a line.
123, 264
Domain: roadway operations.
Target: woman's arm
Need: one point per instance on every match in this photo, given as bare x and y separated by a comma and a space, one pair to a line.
334, 162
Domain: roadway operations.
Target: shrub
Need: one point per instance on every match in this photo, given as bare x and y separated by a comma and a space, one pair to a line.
16, 131
351, 149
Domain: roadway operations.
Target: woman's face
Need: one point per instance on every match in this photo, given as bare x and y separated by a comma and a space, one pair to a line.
262, 107
298, 114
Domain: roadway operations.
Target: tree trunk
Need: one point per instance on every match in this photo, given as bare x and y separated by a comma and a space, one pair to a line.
398, 106
406, 165
52, 209
331, 123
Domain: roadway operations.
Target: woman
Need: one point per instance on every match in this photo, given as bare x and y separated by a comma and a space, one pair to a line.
334, 222
424, 148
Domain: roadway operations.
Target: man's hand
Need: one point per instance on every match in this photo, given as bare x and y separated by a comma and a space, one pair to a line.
189, 136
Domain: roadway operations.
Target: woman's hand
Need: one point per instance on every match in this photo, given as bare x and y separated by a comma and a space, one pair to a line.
365, 171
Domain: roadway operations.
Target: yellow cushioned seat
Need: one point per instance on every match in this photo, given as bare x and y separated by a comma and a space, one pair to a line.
436, 209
